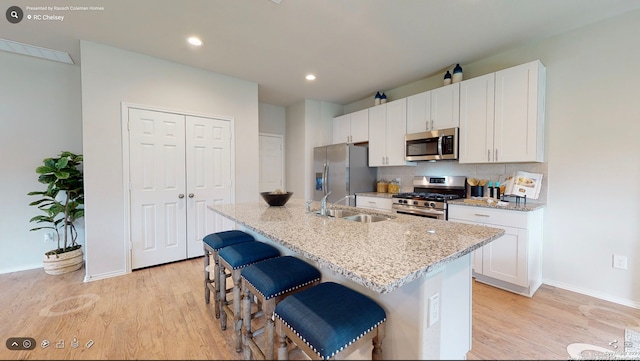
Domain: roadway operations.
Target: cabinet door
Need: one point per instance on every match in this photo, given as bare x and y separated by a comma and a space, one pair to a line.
396, 130
517, 130
445, 107
505, 258
476, 119
419, 112
360, 126
377, 135
341, 129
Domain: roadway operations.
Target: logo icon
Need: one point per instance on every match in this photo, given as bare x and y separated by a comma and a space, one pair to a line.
75, 343
45, 343
14, 14
60, 344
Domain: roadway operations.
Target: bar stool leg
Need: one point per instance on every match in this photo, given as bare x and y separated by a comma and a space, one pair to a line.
246, 321
218, 282
283, 353
221, 298
376, 353
237, 316
269, 307
207, 292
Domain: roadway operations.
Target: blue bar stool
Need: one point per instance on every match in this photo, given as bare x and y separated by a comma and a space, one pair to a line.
235, 258
327, 320
212, 243
270, 281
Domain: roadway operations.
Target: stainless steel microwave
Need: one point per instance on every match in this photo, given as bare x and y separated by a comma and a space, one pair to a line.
432, 145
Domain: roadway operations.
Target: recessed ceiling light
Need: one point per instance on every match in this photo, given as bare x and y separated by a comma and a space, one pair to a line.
194, 40
310, 77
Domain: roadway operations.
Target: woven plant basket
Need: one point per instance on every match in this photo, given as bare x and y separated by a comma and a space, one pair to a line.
63, 262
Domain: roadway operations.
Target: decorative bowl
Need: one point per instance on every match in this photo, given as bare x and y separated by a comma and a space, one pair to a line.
276, 199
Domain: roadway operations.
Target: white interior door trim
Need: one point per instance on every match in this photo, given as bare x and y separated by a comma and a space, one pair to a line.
124, 121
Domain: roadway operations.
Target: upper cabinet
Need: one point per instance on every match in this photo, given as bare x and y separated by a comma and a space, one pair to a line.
434, 109
502, 116
351, 128
387, 128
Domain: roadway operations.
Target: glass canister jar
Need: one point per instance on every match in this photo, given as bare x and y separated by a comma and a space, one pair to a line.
393, 187
382, 186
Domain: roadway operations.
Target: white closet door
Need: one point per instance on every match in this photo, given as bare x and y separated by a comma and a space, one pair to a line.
157, 187
208, 170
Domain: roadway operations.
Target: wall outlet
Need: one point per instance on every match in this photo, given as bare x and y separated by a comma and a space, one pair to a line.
48, 237
434, 309
619, 262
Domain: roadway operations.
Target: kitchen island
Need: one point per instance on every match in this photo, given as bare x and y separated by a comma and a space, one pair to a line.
409, 265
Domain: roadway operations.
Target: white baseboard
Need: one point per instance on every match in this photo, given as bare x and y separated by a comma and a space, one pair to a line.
88, 278
21, 268
592, 293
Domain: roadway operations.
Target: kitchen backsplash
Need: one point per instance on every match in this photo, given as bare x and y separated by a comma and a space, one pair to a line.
491, 172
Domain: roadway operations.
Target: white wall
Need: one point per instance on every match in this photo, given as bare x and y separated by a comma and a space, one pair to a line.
309, 124
593, 154
111, 76
40, 115
272, 119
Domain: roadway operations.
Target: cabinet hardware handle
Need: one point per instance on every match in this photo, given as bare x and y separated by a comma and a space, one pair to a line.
190, 195
496, 154
488, 155
180, 195
481, 215
431, 123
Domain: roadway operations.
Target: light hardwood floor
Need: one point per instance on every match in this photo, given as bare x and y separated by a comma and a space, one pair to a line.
159, 313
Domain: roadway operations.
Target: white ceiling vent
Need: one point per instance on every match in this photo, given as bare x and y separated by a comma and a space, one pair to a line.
38, 52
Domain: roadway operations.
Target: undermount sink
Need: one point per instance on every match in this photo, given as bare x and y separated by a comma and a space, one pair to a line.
354, 216
340, 213
366, 218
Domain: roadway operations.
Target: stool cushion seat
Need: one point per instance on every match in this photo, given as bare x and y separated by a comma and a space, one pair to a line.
246, 253
329, 317
275, 276
226, 238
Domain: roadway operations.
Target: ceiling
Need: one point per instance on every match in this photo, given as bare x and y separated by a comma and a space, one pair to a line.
354, 47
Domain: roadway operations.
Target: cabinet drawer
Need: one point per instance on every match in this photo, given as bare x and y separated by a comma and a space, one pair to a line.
374, 202
489, 216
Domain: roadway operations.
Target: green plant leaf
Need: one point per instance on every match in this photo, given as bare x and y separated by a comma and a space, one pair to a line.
62, 162
61, 174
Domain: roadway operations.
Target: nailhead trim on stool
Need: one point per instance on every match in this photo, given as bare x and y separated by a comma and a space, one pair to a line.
273, 280
237, 257
329, 317
212, 243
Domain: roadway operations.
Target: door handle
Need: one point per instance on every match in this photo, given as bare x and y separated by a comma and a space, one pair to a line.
190, 195
180, 195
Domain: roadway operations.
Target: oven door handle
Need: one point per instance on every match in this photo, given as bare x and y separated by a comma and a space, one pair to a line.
419, 212
440, 145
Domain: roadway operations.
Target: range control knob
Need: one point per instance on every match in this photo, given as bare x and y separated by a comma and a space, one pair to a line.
414, 202
432, 204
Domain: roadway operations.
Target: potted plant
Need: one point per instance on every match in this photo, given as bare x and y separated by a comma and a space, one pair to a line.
63, 204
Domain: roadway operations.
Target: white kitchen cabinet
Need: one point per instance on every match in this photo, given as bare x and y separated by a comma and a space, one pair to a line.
513, 261
387, 128
351, 128
502, 116
375, 203
435, 109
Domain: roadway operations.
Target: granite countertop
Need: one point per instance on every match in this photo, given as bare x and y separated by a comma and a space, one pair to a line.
511, 205
381, 256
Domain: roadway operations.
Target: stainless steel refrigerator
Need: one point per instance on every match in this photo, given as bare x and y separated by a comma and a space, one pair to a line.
342, 169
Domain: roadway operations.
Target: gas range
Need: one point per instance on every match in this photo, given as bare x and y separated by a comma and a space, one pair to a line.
430, 195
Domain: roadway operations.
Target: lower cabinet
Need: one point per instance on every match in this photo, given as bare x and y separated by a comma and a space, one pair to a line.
375, 203
513, 261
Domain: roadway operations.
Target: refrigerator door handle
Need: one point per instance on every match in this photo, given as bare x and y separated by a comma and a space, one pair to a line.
325, 178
